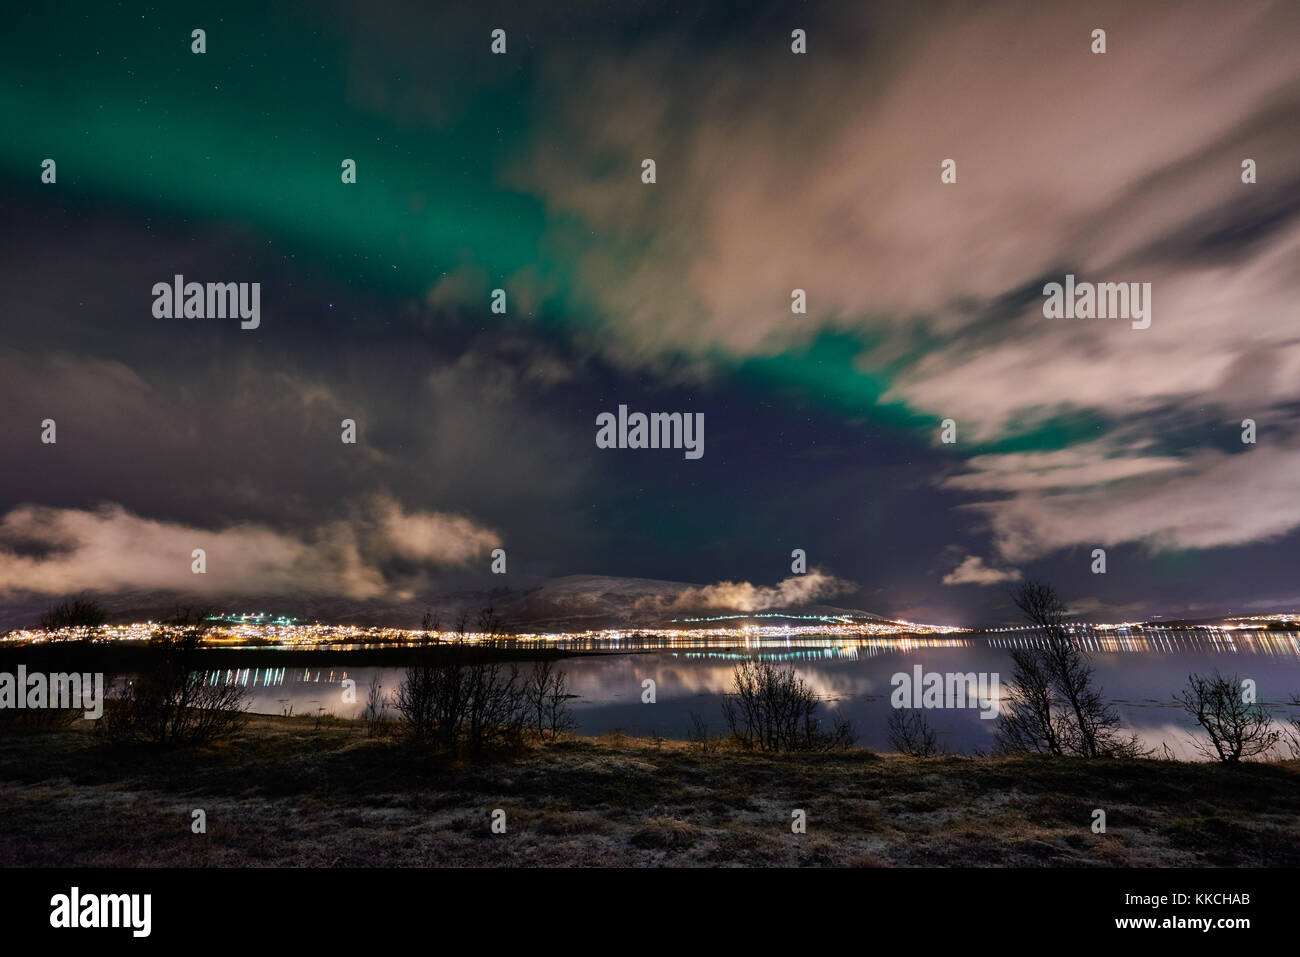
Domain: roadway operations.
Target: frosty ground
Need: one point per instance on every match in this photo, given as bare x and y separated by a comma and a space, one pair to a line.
298, 792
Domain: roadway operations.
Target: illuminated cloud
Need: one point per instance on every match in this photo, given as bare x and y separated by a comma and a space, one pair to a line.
819, 174
432, 536
973, 571
58, 550
1210, 500
746, 597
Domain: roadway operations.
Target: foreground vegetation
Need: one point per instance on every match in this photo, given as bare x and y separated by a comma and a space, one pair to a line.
302, 792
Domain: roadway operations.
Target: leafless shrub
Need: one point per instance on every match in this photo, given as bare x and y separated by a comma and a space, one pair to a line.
1237, 728
698, 734
75, 612
910, 733
63, 662
375, 714
773, 709
39, 719
422, 696
173, 700
459, 698
497, 705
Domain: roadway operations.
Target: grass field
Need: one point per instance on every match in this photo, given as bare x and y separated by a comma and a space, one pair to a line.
295, 792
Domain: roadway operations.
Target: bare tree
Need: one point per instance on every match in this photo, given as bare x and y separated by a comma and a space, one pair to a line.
1064, 664
75, 612
1029, 722
1056, 706
910, 733
547, 694
1237, 728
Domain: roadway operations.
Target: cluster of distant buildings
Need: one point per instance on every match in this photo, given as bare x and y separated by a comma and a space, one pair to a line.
268, 631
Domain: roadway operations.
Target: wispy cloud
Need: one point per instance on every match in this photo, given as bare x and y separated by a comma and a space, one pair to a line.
1209, 499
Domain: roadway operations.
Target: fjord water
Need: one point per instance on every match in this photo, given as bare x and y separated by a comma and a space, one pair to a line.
1139, 673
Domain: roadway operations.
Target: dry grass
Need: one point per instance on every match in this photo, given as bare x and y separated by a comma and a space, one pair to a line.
286, 793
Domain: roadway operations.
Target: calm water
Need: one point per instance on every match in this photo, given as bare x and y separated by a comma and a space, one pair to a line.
1140, 675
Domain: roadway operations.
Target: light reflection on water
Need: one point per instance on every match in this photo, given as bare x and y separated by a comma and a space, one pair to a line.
1139, 672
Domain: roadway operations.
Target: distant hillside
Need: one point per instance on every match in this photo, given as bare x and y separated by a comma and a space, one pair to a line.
569, 603
602, 601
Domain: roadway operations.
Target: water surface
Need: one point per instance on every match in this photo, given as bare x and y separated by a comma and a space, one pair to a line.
1139, 673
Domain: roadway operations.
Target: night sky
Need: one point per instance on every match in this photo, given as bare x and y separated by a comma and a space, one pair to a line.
774, 171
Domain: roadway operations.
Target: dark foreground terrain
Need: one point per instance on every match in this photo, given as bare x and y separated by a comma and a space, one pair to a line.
295, 792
